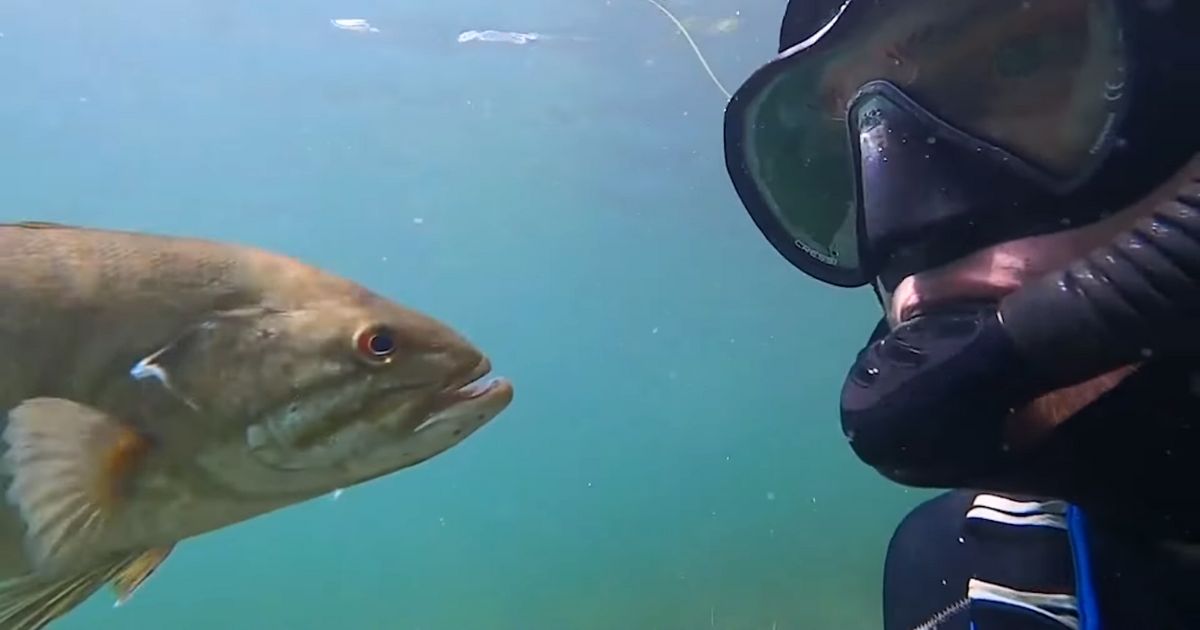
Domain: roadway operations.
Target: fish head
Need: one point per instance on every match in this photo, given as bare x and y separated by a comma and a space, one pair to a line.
329, 392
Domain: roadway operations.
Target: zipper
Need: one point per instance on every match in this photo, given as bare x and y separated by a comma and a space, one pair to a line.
937, 620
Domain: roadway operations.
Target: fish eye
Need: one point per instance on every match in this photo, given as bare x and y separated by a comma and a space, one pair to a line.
376, 343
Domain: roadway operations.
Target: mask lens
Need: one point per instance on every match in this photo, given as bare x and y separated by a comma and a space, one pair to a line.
1041, 79
796, 154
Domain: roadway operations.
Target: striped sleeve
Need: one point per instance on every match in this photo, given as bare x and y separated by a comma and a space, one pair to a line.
1023, 573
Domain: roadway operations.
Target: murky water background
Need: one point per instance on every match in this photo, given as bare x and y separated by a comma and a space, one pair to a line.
673, 458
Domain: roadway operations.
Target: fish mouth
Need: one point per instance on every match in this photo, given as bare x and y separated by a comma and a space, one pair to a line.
478, 387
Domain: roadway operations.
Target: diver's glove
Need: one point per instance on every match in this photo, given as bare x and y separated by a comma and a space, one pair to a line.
926, 404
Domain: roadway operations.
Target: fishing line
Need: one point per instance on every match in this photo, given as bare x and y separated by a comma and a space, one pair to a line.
695, 48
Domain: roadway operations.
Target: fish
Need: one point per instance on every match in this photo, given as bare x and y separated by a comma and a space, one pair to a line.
155, 388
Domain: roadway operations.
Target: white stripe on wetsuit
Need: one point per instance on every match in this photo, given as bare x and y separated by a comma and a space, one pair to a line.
1060, 608
990, 507
1032, 517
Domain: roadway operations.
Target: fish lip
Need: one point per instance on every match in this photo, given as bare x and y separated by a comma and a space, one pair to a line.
476, 386
480, 388
475, 394
475, 383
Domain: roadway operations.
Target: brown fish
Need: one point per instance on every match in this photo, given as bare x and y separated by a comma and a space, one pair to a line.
157, 388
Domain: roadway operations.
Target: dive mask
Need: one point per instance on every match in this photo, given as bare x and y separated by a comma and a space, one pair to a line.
906, 133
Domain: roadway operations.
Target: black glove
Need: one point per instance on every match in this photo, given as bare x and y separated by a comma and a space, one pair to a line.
926, 404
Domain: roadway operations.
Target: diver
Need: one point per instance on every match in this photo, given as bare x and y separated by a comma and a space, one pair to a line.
1018, 182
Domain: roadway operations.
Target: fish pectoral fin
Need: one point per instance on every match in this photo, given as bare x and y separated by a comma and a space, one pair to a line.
69, 464
131, 577
33, 601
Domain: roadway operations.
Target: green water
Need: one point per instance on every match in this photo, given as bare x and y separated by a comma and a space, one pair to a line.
672, 459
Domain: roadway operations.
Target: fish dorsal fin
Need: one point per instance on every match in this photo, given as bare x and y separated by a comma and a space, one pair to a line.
32, 602
131, 577
69, 465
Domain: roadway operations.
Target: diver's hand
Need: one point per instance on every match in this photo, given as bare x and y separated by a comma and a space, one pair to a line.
1001, 269
989, 274
984, 276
